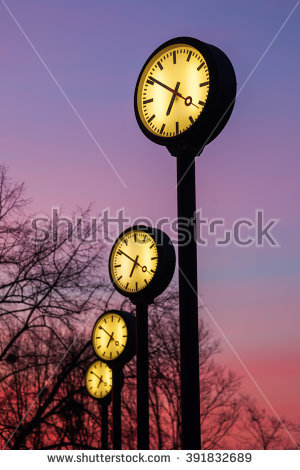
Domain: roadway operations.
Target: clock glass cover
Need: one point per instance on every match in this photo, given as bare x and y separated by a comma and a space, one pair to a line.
98, 379
109, 336
133, 261
172, 90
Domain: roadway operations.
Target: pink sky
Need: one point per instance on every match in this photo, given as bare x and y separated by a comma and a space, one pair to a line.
96, 54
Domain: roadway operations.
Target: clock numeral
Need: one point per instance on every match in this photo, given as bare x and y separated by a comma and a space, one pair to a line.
154, 257
152, 246
189, 56
127, 285
152, 117
119, 252
152, 270
134, 236
201, 103
146, 282
117, 265
136, 286
174, 57
191, 119
204, 84
145, 102
177, 127
119, 278
160, 66
149, 82
200, 66
126, 242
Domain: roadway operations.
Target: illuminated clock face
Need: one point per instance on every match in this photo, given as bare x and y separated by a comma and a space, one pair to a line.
98, 379
133, 261
173, 90
109, 336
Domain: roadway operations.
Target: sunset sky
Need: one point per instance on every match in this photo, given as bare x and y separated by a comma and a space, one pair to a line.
68, 71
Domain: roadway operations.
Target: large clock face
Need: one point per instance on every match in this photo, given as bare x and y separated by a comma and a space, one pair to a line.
133, 261
173, 90
98, 379
109, 336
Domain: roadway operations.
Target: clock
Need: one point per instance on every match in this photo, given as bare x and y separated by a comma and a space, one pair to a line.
142, 263
185, 94
113, 337
98, 379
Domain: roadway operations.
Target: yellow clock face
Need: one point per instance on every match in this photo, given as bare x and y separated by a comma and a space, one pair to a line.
109, 336
134, 261
173, 90
98, 379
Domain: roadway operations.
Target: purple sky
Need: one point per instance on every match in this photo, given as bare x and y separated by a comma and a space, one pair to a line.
95, 51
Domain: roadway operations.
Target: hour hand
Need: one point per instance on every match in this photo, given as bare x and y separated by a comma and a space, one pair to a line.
173, 99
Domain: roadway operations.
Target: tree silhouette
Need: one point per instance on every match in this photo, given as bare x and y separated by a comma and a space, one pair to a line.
51, 292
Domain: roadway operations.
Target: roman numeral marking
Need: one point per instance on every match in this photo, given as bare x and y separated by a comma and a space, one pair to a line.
120, 278
154, 257
127, 285
162, 129
148, 101
152, 117
119, 252
177, 127
191, 119
136, 286
204, 84
189, 56
134, 236
160, 66
201, 102
150, 82
174, 57
200, 66
152, 246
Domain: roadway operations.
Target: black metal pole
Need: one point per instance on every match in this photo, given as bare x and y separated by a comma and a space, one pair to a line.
142, 376
104, 425
188, 303
116, 392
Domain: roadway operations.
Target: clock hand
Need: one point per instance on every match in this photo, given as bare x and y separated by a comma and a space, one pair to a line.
188, 100
172, 99
134, 265
111, 338
138, 264
100, 380
95, 374
101, 327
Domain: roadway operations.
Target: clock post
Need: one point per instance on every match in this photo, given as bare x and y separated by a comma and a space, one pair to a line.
141, 266
183, 98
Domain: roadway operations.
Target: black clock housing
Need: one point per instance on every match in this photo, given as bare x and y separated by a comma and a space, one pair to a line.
130, 347
165, 266
218, 107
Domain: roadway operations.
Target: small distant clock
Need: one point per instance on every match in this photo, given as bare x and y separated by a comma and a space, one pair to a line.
113, 337
142, 263
185, 94
98, 379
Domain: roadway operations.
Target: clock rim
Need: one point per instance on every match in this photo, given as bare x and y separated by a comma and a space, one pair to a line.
165, 265
108, 312
130, 347
86, 374
166, 139
207, 124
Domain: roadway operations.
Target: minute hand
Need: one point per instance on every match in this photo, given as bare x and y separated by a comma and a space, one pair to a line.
187, 100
